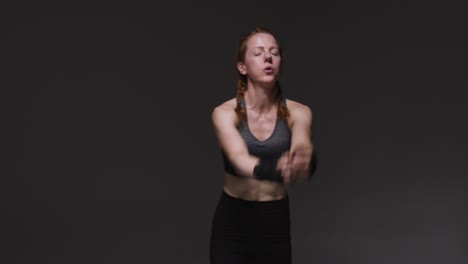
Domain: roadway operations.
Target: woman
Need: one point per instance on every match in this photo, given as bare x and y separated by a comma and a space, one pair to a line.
266, 145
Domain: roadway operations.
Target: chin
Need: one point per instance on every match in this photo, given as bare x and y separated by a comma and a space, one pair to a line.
268, 81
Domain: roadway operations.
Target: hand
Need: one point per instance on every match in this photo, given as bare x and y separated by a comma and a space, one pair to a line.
284, 164
300, 163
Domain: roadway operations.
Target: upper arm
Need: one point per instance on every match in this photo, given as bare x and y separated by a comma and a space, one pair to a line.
229, 139
301, 126
231, 142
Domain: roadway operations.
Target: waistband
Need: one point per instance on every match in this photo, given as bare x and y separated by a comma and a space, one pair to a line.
239, 201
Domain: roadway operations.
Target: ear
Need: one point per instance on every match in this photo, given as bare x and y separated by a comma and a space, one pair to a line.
241, 68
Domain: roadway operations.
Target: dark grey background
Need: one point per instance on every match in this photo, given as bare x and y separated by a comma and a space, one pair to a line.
111, 157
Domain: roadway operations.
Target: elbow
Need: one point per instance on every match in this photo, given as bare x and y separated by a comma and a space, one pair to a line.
303, 146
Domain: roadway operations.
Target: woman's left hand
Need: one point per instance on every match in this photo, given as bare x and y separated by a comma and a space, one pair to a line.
284, 165
300, 163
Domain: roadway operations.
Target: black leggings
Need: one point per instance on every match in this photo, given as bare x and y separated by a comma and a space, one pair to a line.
250, 232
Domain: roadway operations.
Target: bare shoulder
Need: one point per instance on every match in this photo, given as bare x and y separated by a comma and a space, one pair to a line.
225, 111
298, 110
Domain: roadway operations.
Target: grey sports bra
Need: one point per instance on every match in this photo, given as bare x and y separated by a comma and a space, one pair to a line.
272, 147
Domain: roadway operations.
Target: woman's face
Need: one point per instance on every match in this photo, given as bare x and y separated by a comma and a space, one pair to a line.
262, 59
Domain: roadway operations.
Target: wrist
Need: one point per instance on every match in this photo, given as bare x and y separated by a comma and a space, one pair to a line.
266, 170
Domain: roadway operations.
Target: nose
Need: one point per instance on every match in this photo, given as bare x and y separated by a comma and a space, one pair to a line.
268, 57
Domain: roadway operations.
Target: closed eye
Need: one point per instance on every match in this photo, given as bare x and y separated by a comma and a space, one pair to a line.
274, 52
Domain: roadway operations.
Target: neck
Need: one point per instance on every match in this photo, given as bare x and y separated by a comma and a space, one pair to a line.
260, 98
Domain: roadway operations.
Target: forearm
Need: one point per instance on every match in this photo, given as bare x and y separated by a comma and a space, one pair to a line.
257, 168
244, 165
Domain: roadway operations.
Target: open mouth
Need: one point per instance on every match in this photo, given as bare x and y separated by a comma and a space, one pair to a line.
268, 69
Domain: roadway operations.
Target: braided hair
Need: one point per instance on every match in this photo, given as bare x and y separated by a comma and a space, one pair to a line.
242, 79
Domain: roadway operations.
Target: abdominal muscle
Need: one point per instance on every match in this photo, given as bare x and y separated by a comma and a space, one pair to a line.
253, 189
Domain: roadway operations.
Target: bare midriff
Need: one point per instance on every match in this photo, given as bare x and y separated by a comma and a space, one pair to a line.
252, 189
